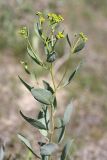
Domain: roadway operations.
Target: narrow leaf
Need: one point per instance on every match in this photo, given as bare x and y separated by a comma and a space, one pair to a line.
61, 132
61, 135
46, 116
33, 122
68, 40
25, 84
48, 87
67, 114
43, 117
48, 149
55, 103
72, 75
27, 143
66, 150
42, 95
39, 30
34, 56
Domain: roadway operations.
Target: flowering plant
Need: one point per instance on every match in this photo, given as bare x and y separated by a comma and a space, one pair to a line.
46, 121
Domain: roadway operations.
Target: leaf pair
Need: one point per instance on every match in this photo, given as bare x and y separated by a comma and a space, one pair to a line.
42, 95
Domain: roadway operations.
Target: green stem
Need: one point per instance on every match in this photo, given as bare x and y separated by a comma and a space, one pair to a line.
61, 79
75, 45
52, 107
52, 76
52, 124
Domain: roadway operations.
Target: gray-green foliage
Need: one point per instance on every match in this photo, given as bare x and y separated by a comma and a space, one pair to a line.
46, 96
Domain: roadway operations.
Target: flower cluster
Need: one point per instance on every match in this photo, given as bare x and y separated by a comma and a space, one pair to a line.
54, 18
60, 35
84, 37
24, 32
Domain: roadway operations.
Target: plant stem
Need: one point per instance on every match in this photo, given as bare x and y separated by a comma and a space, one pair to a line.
52, 76
62, 78
51, 109
73, 48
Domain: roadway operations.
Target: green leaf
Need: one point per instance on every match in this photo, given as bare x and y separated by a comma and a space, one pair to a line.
67, 114
46, 116
51, 57
33, 122
66, 149
61, 131
42, 95
79, 47
2, 153
48, 149
42, 131
27, 143
48, 87
25, 84
34, 56
39, 30
40, 114
72, 75
55, 103
43, 117
68, 40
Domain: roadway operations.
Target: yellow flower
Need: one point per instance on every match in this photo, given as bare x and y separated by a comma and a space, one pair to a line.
60, 35
84, 37
24, 32
54, 18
